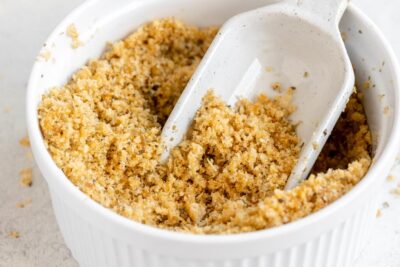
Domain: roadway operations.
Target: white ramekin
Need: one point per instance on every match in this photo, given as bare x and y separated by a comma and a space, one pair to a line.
99, 237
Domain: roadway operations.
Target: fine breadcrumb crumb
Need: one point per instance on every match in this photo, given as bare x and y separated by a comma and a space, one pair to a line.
103, 129
276, 86
73, 33
26, 177
14, 234
28, 154
385, 205
378, 213
315, 145
24, 203
367, 84
269, 69
344, 36
391, 178
306, 74
7, 110
386, 110
24, 141
396, 191
46, 55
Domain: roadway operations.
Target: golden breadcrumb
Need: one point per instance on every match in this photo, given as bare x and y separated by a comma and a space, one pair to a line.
26, 177
396, 191
315, 145
344, 36
14, 234
378, 213
45, 55
24, 141
73, 33
386, 110
367, 84
28, 154
24, 203
276, 86
103, 130
269, 69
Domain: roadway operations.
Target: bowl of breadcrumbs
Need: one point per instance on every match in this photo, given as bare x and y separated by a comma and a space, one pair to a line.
95, 110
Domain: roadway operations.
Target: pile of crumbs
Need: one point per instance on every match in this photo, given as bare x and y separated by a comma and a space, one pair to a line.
103, 130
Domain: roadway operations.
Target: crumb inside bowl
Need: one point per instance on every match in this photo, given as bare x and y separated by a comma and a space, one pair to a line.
103, 129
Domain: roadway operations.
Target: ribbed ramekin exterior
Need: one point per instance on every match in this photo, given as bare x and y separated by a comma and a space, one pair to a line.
93, 247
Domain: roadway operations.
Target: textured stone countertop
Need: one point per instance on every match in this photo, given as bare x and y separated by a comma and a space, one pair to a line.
24, 25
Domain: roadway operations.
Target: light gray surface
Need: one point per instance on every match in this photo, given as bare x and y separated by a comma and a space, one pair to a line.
24, 25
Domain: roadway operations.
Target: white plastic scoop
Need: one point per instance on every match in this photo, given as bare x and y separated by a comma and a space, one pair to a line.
296, 43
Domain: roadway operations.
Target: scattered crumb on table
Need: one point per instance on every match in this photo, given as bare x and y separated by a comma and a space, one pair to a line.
26, 177
28, 154
269, 69
23, 203
14, 234
276, 86
24, 141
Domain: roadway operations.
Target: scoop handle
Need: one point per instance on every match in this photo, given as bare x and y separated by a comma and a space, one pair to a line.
330, 11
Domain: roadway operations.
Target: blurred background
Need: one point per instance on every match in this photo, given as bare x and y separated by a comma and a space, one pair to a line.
28, 232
